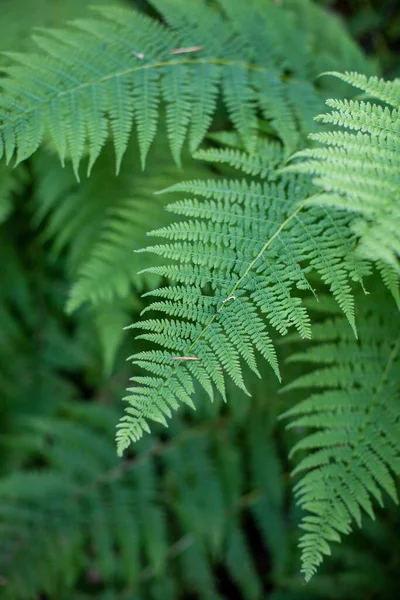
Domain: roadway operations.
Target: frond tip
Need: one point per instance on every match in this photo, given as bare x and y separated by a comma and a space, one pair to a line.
356, 166
353, 449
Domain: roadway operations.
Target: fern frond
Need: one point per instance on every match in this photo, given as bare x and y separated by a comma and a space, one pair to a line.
97, 228
134, 518
357, 167
375, 87
100, 230
242, 250
352, 451
93, 80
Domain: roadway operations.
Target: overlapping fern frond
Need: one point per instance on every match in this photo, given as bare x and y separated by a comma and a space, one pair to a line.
144, 527
101, 75
239, 260
357, 165
353, 421
98, 224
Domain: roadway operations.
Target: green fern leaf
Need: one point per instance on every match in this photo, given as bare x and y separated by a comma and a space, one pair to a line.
242, 250
240, 101
358, 169
205, 79
177, 96
262, 163
92, 80
352, 451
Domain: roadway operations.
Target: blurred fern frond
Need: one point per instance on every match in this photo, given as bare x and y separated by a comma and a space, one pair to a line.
169, 514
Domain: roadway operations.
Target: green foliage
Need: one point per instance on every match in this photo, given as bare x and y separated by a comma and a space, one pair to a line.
97, 226
103, 74
11, 182
359, 172
353, 449
246, 267
244, 250
138, 524
18, 24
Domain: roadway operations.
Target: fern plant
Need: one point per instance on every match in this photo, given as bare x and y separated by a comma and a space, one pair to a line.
244, 251
97, 226
242, 261
143, 528
359, 172
353, 451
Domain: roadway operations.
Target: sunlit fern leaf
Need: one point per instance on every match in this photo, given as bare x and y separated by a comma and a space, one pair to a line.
94, 79
353, 450
241, 252
356, 166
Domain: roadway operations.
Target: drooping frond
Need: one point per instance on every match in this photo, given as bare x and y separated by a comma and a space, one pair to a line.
353, 449
239, 254
99, 76
357, 165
